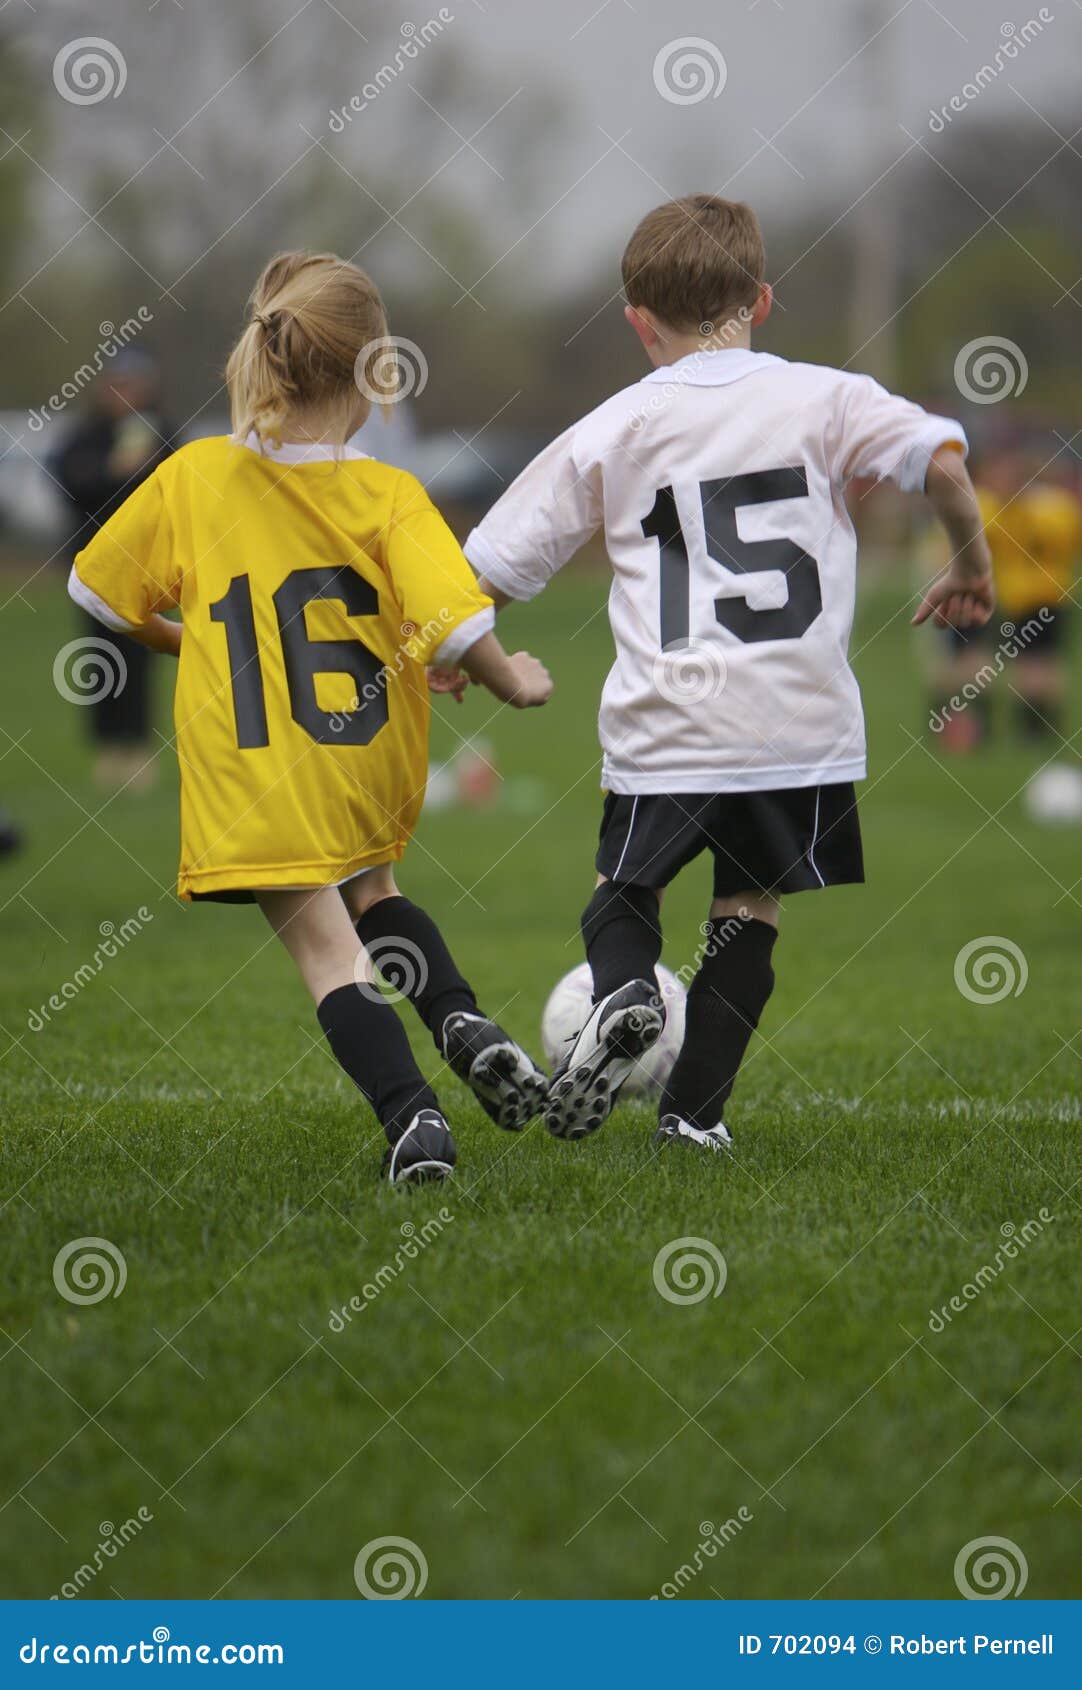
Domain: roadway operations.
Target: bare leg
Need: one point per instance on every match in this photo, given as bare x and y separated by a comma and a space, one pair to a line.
315, 928
365, 1035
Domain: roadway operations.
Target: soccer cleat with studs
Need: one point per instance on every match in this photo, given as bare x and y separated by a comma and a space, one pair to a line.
425, 1151
620, 1029
506, 1082
673, 1129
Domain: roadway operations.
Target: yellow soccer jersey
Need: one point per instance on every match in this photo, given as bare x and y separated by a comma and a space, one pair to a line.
1035, 540
313, 590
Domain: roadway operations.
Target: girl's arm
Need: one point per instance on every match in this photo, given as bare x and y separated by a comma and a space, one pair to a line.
160, 634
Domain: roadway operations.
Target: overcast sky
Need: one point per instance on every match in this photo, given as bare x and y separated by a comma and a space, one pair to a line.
800, 80
791, 104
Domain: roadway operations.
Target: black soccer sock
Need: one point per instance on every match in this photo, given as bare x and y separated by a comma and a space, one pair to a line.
621, 928
370, 1044
724, 1003
411, 954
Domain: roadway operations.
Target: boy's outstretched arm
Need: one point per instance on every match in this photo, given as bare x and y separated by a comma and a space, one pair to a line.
963, 596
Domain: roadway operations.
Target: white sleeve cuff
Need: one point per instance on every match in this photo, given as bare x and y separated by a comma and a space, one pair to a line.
912, 471
88, 600
460, 639
501, 575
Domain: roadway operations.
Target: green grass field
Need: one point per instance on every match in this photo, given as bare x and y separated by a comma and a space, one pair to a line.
519, 1400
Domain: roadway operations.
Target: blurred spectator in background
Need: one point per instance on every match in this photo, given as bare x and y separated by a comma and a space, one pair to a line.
104, 457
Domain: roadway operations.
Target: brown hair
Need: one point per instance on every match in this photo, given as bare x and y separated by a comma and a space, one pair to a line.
695, 260
310, 316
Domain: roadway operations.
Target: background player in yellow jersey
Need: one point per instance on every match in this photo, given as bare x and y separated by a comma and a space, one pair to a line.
314, 585
1034, 529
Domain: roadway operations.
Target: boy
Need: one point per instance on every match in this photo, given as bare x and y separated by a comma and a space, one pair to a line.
730, 721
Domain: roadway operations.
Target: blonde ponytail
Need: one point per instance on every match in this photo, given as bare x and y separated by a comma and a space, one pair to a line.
311, 317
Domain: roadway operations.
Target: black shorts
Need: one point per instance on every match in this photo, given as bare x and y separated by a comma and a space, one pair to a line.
1030, 631
795, 839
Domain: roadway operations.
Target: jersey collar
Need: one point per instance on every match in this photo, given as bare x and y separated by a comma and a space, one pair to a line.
295, 452
714, 368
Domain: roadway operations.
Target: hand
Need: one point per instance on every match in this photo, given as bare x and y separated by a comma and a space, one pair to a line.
957, 602
453, 681
533, 682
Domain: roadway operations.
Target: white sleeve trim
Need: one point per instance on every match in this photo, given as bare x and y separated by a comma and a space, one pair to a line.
912, 471
467, 634
87, 599
502, 575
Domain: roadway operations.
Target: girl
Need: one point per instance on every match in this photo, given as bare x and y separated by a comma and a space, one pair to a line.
315, 584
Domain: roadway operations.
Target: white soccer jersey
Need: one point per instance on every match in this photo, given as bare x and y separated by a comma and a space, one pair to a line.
719, 481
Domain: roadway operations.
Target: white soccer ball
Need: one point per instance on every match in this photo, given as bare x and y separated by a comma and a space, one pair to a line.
569, 1007
1055, 794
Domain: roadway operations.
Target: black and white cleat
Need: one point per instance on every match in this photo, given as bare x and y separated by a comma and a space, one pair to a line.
620, 1029
425, 1151
673, 1129
506, 1082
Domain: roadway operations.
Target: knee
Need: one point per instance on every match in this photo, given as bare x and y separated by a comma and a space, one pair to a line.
367, 890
